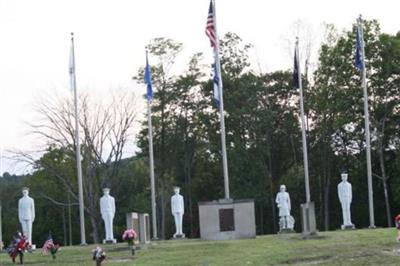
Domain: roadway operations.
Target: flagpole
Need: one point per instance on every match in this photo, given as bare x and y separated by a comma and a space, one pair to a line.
77, 141
303, 125
221, 109
367, 133
1, 231
149, 96
153, 193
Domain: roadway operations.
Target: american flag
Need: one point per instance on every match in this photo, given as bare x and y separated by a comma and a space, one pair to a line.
48, 244
210, 27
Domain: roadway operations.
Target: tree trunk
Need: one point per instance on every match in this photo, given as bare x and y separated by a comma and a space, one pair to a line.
95, 229
272, 198
385, 186
326, 198
162, 204
261, 211
64, 226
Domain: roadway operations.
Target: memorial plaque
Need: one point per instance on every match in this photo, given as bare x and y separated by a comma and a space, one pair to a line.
144, 225
132, 222
226, 220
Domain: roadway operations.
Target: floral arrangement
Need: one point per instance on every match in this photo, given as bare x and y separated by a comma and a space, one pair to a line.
18, 246
50, 246
98, 255
129, 235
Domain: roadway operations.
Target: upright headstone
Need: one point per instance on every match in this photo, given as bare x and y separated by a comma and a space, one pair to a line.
177, 210
345, 195
26, 214
286, 221
132, 222
144, 228
107, 209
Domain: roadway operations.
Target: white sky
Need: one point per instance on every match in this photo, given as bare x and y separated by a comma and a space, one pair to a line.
111, 35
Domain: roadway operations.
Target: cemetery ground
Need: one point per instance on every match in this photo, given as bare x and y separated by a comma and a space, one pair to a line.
356, 247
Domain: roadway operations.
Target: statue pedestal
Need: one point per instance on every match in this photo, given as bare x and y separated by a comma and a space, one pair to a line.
113, 241
308, 223
182, 236
286, 231
33, 247
348, 227
227, 219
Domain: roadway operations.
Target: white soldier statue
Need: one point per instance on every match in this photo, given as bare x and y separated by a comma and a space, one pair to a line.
345, 197
107, 209
177, 209
26, 213
286, 221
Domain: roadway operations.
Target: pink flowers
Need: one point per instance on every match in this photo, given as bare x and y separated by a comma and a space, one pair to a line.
129, 235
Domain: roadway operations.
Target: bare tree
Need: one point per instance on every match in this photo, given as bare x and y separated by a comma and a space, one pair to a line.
106, 127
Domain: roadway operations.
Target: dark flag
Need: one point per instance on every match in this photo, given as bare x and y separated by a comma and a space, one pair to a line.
147, 80
359, 60
296, 71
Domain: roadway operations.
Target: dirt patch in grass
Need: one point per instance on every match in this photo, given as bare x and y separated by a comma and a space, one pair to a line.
308, 261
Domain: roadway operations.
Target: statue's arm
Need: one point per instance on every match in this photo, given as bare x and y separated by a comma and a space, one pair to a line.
19, 211
289, 204
351, 193
183, 206
339, 192
113, 206
101, 207
33, 210
277, 199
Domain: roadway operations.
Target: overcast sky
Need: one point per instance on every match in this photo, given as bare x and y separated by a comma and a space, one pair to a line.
111, 36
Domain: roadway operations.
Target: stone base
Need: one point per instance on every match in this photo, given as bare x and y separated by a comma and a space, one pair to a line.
113, 241
308, 223
348, 227
182, 236
33, 247
286, 231
227, 219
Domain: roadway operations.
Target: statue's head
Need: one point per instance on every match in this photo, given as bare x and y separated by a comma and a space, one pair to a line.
106, 191
177, 190
344, 176
25, 191
283, 188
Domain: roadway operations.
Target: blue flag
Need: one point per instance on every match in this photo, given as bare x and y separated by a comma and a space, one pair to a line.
296, 82
216, 85
358, 60
147, 80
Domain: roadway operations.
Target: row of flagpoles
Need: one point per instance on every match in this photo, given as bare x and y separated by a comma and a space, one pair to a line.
211, 32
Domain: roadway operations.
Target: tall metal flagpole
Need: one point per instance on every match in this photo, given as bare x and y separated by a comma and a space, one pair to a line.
149, 95
152, 183
367, 133
221, 109
77, 141
1, 231
303, 125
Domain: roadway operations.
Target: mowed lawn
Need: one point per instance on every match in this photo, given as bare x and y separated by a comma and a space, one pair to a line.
356, 247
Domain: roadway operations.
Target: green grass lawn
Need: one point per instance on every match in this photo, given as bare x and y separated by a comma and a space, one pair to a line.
357, 247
